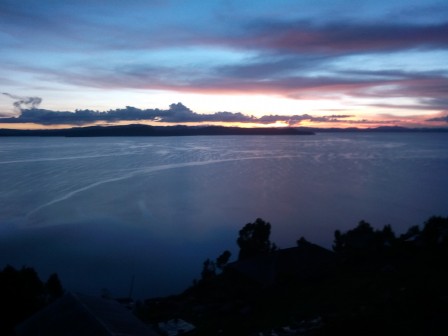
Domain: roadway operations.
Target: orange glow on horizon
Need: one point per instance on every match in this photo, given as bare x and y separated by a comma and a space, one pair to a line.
354, 121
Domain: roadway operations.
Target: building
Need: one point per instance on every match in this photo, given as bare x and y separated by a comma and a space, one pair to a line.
84, 315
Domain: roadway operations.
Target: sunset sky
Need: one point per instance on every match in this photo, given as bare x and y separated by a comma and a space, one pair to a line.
323, 63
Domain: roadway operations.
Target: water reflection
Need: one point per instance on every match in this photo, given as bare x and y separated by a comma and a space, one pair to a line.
100, 210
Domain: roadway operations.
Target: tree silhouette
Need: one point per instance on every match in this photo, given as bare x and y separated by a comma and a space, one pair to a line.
364, 241
435, 232
21, 294
208, 270
254, 240
223, 259
54, 287
387, 235
360, 238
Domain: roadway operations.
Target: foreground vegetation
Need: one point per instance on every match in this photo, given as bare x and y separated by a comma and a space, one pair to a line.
373, 282
22, 293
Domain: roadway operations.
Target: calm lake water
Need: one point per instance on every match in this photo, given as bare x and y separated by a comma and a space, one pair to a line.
100, 211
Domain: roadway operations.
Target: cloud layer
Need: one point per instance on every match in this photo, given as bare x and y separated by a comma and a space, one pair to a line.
179, 114
385, 55
176, 114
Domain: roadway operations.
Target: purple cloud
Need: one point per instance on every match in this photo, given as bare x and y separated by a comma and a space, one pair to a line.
439, 119
335, 38
283, 55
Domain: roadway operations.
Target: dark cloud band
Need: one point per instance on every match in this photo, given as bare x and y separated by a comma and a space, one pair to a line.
176, 113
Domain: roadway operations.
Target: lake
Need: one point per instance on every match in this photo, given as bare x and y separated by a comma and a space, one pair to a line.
102, 211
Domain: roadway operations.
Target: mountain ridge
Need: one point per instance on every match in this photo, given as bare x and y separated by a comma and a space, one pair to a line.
181, 130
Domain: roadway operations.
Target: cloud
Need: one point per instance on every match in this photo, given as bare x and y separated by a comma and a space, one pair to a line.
439, 119
291, 77
294, 58
27, 102
295, 55
429, 92
81, 117
297, 119
100, 26
303, 36
175, 114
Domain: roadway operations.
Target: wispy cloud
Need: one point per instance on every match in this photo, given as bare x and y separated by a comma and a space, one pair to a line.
24, 102
439, 119
341, 37
293, 59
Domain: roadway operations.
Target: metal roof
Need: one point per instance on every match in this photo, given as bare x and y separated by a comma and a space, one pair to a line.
78, 314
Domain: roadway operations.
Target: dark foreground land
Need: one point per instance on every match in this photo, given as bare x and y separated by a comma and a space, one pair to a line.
372, 283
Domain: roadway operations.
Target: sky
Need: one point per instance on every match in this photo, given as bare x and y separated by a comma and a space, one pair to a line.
319, 63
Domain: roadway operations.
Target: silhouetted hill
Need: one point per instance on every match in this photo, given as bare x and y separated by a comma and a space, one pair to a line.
381, 129
144, 130
180, 130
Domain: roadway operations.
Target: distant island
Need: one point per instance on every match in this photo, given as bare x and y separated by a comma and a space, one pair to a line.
181, 130
145, 130
380, 129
